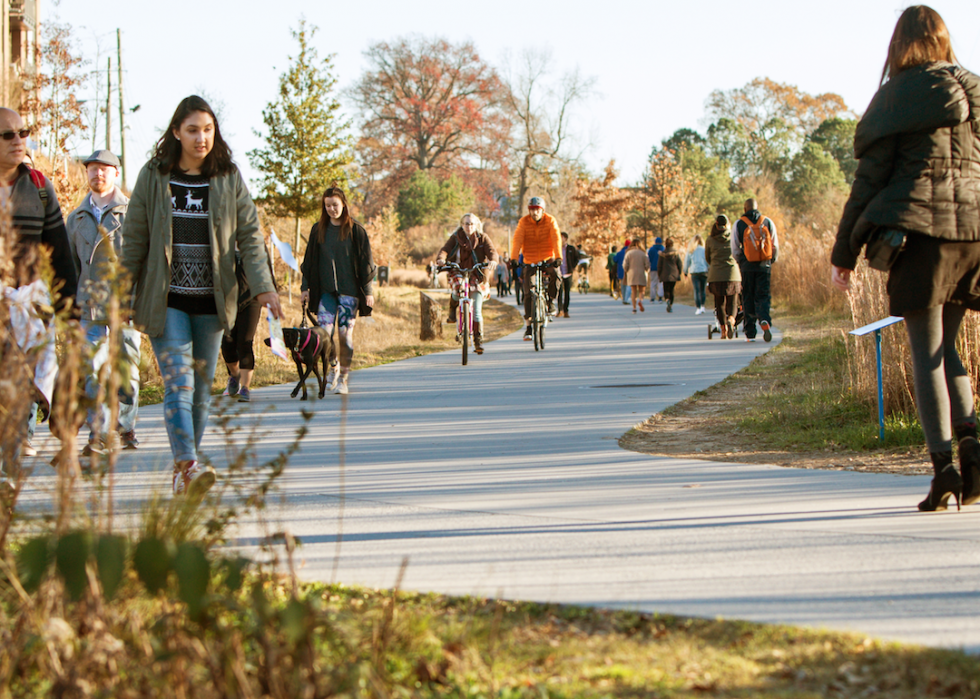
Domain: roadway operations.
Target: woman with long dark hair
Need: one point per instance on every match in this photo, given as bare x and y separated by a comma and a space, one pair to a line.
918, 181
337, 275
189, 210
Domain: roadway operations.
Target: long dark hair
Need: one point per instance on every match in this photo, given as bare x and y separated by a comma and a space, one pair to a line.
168, 150
346, 222
920, 36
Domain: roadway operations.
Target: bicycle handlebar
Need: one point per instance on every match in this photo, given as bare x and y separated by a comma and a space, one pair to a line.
543, 264
450, 266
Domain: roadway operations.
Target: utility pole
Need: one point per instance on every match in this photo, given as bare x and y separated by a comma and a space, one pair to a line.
108, 108
122, 113
5, 53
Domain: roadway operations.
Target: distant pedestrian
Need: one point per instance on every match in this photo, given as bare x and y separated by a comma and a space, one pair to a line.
189, 210
696, 265
636, 264
916, 194
624, 288
724, 278
517, 277
670, 267
569, 261
502, 274
656, 285
611, 271
756, 246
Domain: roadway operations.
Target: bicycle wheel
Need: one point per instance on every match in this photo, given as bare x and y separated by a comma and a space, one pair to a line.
544, 324
539, 321
465, 309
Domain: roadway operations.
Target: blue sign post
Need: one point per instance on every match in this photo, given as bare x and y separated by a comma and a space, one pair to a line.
876, 328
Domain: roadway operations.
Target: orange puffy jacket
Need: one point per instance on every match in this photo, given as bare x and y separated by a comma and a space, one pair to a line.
538, 240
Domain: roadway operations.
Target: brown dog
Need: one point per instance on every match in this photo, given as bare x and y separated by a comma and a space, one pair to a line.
308, 346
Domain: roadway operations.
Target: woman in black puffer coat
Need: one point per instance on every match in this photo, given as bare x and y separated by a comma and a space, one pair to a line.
918, 147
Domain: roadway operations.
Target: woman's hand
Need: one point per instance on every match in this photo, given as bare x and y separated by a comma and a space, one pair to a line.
304, 298
369, 300
840, 277
270, 299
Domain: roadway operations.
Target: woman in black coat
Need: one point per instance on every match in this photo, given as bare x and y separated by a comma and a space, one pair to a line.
919, 177
337, 273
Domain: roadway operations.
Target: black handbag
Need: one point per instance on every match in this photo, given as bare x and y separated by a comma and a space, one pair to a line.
883, 248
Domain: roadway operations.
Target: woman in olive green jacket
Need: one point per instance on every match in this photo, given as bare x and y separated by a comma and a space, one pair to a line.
724, 277
189, 209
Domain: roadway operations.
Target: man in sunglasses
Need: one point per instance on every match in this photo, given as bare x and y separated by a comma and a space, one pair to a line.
37, 224
537, 238
95, 236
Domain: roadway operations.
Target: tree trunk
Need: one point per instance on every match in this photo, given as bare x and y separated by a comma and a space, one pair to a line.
430, 312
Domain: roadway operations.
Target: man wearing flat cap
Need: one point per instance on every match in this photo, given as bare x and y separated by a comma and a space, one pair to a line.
95, 234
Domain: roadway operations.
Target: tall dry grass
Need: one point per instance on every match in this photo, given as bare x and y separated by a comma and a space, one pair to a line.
868, 302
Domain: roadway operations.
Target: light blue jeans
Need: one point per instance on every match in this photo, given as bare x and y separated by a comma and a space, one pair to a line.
129, 388
476, 297
187, 354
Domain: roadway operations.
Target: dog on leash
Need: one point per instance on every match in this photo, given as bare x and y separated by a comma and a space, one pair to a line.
310, 349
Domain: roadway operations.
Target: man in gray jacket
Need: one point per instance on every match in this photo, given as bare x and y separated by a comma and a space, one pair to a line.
95, 237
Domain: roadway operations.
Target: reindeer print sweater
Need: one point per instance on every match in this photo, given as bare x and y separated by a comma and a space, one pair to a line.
191, 271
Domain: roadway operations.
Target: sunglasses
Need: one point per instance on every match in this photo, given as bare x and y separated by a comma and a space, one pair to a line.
9, 135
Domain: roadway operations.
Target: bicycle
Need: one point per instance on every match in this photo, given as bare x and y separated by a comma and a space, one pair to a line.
464, 317
539, 301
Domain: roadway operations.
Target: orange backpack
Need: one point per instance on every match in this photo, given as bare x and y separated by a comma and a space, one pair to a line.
757, 240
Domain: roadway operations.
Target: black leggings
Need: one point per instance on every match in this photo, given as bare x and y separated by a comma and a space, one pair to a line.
237, 346
943, 395
724, 308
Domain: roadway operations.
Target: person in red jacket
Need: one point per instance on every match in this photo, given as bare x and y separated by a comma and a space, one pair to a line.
538, 238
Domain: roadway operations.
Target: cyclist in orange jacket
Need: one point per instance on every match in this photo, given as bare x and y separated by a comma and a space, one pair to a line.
539, 239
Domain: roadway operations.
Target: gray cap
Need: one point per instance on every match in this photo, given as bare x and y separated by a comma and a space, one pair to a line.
536, 202
106, 157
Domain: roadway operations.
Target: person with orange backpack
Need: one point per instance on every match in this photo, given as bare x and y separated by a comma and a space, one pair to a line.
755, 246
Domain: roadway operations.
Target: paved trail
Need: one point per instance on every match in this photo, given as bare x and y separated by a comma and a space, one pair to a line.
505, 478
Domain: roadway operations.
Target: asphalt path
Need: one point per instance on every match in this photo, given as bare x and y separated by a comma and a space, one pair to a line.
504, 478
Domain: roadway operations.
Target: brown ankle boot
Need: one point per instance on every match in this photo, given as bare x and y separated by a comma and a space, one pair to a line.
453, 305
478, 337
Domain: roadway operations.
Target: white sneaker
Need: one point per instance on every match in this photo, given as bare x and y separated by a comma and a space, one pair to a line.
333, 376
342, 386
194, 479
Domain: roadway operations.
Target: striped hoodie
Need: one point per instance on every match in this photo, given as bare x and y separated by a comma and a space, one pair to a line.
39, 222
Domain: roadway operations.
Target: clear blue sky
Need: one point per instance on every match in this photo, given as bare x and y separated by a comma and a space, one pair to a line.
654, 62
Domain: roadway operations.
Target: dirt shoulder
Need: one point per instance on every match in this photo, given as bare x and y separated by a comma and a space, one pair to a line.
704, 426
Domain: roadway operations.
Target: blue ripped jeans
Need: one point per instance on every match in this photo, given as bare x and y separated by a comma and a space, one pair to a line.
187, 354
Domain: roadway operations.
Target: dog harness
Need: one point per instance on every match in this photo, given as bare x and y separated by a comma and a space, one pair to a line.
299, 349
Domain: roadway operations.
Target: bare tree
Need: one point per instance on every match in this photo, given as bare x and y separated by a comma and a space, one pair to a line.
541, 107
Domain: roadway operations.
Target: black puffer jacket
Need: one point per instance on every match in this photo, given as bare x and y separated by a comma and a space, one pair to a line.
918, 147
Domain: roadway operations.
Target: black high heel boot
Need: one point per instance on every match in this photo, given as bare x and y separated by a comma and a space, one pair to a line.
969, 452
946, 482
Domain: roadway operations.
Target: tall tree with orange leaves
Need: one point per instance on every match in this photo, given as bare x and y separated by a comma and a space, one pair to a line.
428, 104
602, 211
